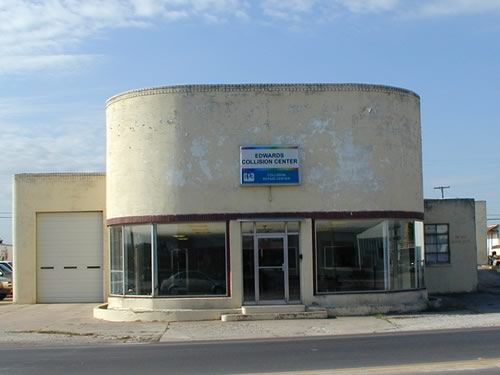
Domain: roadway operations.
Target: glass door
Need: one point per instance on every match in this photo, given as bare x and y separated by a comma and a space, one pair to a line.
271, 271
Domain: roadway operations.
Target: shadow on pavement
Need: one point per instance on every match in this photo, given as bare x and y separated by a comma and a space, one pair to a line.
485, 300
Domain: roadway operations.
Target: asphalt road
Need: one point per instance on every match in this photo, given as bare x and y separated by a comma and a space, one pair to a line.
405, 351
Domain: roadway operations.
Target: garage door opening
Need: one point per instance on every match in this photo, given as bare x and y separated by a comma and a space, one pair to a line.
69, 257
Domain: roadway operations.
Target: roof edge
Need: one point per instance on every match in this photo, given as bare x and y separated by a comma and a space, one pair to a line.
270, 87
60, 174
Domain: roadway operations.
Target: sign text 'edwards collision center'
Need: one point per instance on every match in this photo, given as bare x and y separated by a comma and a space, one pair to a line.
269, 165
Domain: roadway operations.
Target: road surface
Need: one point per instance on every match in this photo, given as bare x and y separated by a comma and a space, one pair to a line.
434, 351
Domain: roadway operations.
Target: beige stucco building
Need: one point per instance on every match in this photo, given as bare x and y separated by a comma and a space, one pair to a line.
220, 199
454, 230
59, 230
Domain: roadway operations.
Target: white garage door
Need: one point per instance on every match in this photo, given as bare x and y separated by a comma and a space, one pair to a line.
69, 257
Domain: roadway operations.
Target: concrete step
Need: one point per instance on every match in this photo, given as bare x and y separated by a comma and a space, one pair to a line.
262, 309
320, 314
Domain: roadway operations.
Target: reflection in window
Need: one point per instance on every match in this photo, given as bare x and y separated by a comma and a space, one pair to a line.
271, 235
368, 255
350, 256
293, 266
248, 268
437, 249
404, 258
137, 244
116, 260
191, 259
270, 226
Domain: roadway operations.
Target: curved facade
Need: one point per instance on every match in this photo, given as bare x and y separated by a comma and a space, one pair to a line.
188, 232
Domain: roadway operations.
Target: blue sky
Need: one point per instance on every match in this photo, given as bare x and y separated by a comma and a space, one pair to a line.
61, 59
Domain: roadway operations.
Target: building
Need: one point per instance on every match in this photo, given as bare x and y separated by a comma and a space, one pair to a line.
454, 231
493, 238
221, 199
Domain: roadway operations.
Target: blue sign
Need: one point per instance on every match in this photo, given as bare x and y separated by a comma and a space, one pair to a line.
269, 165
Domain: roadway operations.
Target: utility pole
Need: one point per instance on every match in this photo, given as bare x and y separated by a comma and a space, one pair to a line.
442, 190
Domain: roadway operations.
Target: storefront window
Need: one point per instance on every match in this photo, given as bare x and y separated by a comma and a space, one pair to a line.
248, 267
350, 256
137, 246
191, 259
270, 226
368, 255
293, 265
116, 260
404, 258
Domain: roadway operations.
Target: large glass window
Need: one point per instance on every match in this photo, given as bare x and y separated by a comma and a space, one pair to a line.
116, 261
248, 267
191, 259
137, 246
293, 264
350, 256
404, 257
168, 259
367, 255
437, 248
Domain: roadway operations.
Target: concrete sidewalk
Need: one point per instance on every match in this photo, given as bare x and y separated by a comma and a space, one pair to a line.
61, 324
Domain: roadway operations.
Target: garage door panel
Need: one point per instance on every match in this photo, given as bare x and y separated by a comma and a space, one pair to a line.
69, 257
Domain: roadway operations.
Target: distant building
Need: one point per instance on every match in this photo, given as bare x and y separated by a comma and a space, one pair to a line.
454, 231
493, 238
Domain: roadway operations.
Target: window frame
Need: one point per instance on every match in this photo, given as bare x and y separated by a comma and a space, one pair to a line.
154, 261
332, 247
390, 255
437, 242
226, 293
